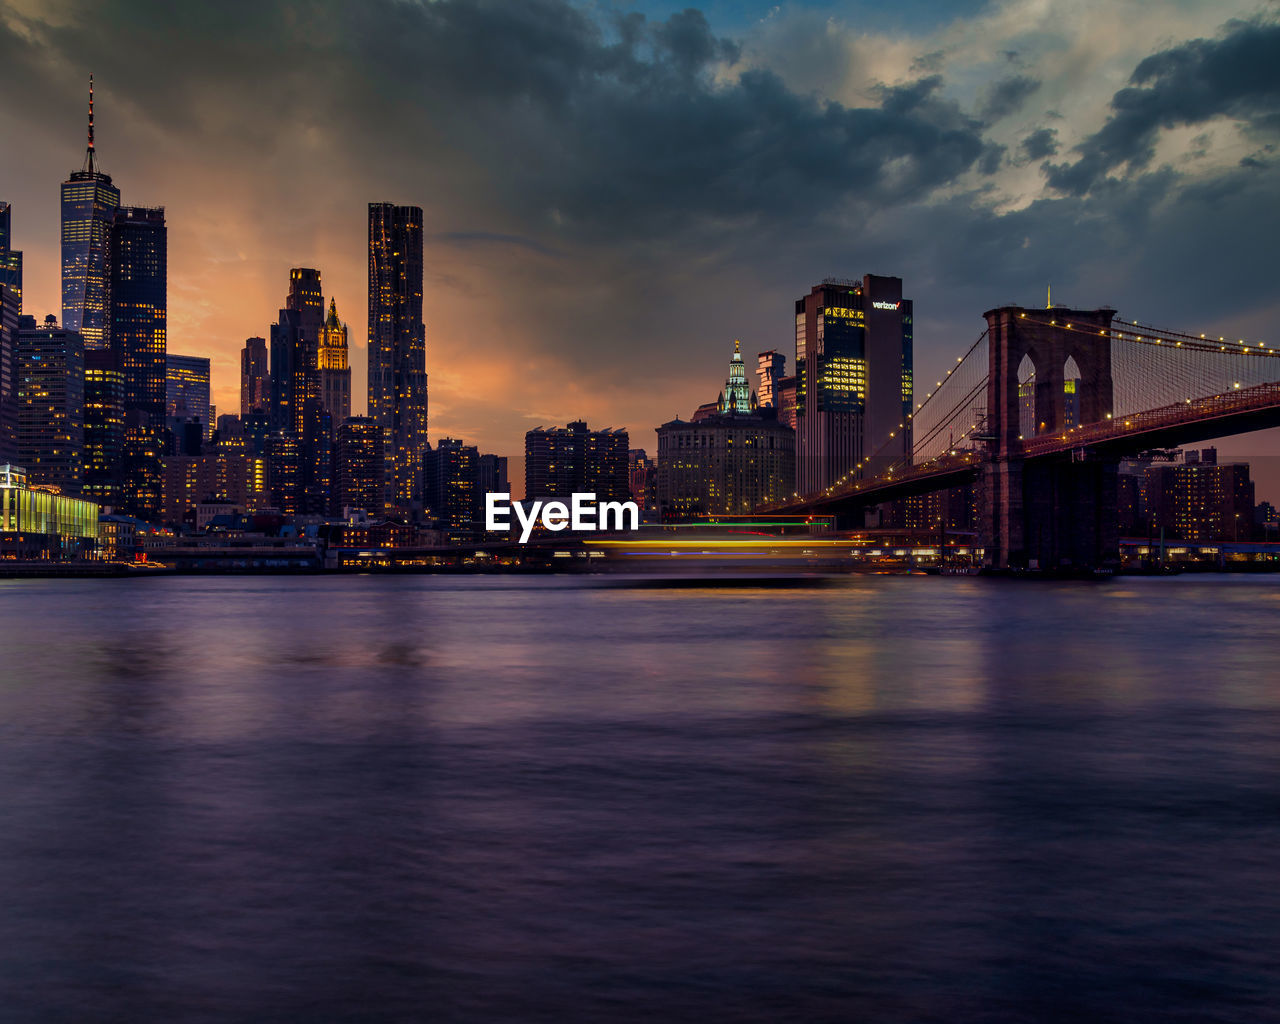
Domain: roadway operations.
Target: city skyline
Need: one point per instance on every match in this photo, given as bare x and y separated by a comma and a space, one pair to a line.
536, 326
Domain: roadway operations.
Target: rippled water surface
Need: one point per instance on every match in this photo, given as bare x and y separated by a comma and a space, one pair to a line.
419, 798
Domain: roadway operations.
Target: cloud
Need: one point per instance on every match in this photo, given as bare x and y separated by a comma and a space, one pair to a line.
1236, 75
611, 197
1007, 96
1040, 143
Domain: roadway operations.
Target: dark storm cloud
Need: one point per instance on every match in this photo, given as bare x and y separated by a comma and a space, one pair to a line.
1007, 96
1237, 74
1040, 143
586, 128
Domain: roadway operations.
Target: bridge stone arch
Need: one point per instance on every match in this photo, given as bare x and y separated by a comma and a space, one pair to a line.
1049, 337
1046, 515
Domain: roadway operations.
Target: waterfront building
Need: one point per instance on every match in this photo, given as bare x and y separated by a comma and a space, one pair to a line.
853, 380
1200, 499
284, 472
362, 481
88, 204
397, 343
10, 258
50, 373
138, 304
103, 426
451, 486
725, 462
187, 389
561, 461
335, 372
37, 522
222, 477
255, 376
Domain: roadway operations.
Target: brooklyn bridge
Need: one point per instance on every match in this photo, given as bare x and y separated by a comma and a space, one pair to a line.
1037, 415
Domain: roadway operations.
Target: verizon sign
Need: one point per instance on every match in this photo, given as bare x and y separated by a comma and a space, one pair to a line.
885, 305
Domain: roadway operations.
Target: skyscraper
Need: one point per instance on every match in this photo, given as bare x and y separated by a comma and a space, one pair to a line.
397, 342
853, 379
295, 341
335, 373
10, 258
771, 367
451, 475
8, 376
89, 204
187, 391
361, 467
51, 404
138, 298
255, 376
103, 426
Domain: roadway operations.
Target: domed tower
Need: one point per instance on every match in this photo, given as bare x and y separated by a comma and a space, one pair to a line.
737, 395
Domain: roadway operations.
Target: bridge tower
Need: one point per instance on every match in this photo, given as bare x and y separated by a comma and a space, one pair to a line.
1049, 512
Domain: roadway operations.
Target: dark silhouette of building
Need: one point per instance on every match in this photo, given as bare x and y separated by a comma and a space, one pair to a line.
561, 461
51, 404
853, 379
89, 203
1200, 499
103, 426
255, 376
295, 340
493, 475
397, 343
10, 258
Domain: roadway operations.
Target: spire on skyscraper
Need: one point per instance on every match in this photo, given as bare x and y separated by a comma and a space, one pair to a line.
88, 153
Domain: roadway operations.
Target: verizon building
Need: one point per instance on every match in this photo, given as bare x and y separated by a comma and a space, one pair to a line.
853, 380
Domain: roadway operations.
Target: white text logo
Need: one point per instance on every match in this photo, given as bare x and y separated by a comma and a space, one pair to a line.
581, 513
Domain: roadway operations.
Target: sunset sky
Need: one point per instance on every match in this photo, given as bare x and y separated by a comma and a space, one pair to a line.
614, 192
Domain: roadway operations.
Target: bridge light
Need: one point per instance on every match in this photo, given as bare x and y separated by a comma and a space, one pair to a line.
1236, 384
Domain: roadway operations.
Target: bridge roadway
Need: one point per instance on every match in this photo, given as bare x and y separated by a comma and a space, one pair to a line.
1236, 412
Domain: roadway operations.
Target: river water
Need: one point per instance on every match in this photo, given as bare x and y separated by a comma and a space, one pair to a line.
494, 799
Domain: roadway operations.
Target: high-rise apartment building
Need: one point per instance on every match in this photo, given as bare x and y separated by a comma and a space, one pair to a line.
10, 258
187, 392
559, 461
51, 404
335, 372
255, 376
853, 379
138, 307
89, 204
397, 342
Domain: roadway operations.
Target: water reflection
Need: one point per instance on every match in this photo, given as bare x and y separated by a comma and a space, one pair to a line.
414, 798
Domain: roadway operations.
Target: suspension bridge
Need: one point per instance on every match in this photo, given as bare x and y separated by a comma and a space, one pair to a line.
1037, 414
